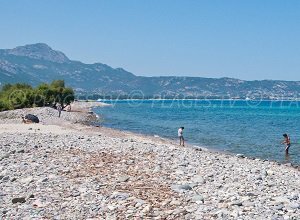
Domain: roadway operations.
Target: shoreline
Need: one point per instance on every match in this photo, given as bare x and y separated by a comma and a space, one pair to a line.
200, 147
64, 168
196, 146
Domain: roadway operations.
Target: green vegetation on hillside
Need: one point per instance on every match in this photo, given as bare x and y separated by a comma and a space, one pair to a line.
21, 95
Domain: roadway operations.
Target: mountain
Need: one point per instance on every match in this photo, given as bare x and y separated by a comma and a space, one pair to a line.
38, 63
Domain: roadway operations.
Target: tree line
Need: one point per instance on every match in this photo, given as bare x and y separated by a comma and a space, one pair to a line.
22, 95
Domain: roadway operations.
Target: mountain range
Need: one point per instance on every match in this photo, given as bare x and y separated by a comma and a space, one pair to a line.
36, 63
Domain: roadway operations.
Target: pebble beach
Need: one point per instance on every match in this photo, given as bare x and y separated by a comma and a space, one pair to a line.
62, 168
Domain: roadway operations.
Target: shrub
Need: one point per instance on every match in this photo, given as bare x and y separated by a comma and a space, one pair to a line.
20, 95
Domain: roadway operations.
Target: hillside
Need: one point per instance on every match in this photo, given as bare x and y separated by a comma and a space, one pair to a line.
38, 63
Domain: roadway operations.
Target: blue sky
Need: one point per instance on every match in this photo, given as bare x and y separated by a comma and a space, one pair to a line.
253, 39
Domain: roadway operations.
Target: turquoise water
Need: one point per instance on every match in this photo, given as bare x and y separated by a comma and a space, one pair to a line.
252, 128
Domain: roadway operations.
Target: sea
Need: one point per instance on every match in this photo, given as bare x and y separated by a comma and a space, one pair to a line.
253, 128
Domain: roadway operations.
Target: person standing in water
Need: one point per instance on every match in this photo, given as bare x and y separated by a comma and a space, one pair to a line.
287, 142
180, 135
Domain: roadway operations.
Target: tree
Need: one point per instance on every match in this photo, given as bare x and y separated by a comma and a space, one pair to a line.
20, 95
61, 94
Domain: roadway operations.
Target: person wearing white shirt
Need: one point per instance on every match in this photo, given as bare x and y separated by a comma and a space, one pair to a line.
180, 135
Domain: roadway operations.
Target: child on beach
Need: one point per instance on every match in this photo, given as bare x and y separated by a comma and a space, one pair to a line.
287, 143
180, 135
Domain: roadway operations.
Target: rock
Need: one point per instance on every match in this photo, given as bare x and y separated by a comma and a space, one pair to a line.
26, 180
111, 207
140, 201
264, 173
165, 202
147, 209
123, 179
38, 204
235, 213
21, 151
251, 194
240, 155
198, 198
75, 193
281, 199
120, 196
294, 205
6, 178
258, 177
130, 162
179, 188
248, 204
278, 207
175, 202
18, 200
179, 211
4, 157
43, 180
237, 203
191, 208
198, 179
157, 169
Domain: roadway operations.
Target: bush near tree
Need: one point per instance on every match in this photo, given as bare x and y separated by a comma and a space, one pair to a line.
21, 95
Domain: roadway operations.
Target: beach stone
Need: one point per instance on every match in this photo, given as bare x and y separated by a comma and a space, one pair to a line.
248, 204
21, 151
26, 180
191, 208
264, 173
165, 202
18, 200
240, 155
198, 179
280, 199
140, 201
178, 211
111, 207
38, 204
75, 193
120, 196
294, 205
123, 179
279, 207
5, 178
44, 180
175, 202
198, 198
235, 213
259, 177
4, 157
180, 188
147, 209
236, 203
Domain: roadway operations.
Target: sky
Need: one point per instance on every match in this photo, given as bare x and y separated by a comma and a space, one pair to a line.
245, 39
